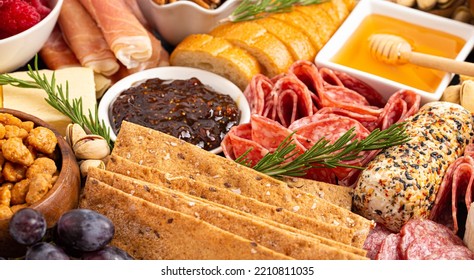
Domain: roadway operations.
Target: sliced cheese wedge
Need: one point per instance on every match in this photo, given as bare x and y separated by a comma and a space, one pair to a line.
80, 82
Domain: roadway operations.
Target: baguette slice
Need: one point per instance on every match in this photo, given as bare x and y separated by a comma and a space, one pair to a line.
151, 232
277, 237
216, 55
308, 27
295, 40
272, 54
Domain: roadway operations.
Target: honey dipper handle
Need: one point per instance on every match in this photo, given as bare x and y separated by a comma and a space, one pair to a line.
442, 63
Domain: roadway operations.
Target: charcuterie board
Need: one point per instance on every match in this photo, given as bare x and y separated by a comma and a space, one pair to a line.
238, 137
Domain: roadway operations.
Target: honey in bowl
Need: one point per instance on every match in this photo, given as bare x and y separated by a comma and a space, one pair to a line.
356, 53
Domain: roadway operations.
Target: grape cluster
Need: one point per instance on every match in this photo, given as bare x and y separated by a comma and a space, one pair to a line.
79, 234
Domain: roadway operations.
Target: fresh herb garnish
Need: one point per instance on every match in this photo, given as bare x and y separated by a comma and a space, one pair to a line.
58, 98
255, 9
284, 161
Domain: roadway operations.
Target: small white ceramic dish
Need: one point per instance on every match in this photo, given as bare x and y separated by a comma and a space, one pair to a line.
385, 86
216, 82
176, 20
17, 50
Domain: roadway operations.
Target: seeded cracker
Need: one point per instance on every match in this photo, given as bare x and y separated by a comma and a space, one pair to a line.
283, 239
151, 232
234, 200
170, 155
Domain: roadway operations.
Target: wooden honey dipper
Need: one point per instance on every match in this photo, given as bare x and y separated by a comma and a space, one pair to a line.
392, 49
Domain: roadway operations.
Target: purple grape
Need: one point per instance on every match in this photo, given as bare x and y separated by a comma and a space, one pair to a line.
45, 251
107, 253
84, 230
27, 226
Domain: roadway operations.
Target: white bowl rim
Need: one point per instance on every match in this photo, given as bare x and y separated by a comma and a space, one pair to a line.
174, 72
34, 28
179, 3
323, 59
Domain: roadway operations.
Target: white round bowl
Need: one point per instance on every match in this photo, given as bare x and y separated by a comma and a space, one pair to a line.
17, 50
176, 20
216, 82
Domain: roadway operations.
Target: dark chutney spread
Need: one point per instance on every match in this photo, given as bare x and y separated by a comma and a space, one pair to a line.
186, 109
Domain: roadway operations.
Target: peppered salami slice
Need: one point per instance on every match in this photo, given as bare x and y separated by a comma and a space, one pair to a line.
369, 93
457, 183
401, 105
374, 240
294, 100
308, 74
256, 93
389, 248
420, 237
452, 252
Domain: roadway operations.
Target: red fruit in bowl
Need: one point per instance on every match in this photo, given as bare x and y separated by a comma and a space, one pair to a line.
40, 7
16, 16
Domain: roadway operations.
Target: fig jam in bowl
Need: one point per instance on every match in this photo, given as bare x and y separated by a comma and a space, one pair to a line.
194, 105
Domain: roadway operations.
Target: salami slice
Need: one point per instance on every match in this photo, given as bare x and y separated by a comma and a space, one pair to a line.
309, 75
401, 105
389, 248
238, 141
374, 240
256, 92
420, 238
457, 183
341, 97
369, 93
294, 100
453, 252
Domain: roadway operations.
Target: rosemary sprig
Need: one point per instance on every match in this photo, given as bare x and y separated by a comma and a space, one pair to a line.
58, 98
282, 162
255, 9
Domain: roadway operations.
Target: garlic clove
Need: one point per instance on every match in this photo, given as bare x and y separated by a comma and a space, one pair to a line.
73, 133
86, 164
91, 147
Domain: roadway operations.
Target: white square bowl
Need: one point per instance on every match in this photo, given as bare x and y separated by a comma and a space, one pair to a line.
385, 86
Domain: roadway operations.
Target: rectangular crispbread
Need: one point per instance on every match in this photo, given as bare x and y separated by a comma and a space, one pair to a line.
234, 200
149, 231
178, 158
283, 239
339, 195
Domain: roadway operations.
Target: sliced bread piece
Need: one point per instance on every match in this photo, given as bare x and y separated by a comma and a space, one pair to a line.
216, 55
272, 54
295, 40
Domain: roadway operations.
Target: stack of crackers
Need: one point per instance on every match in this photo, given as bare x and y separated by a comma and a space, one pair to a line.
172, 200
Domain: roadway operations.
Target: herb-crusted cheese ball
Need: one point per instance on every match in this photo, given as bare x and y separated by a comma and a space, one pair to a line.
402, 181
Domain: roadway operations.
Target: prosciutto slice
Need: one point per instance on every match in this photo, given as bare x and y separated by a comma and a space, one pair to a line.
56, 54
85, 39
455, 189
124, 33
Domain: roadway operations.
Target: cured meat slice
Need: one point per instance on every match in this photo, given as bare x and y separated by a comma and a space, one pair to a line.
86, 39
389, 248
267, 132
456, 185
56, 54
125, 35
401, 105
341, 97
453, 252
421, 237
368, 121
374, 240
256, 92
294, 100
308, 74
369, 93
